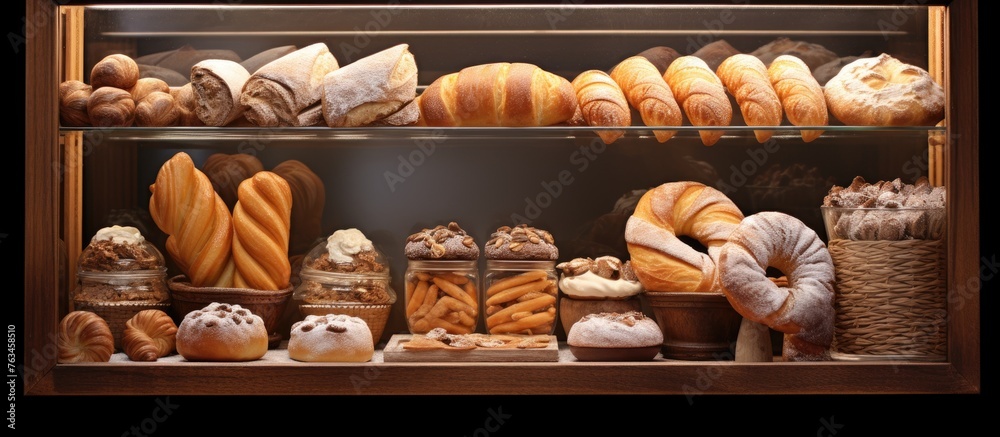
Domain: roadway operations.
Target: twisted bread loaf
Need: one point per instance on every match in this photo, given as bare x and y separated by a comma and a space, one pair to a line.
801, 95
701, 94
804, 309
602, 103
746, 78
308, 201
498, 94
261, 223
662, 261
84, 337
199, 228
149, 335
648, 93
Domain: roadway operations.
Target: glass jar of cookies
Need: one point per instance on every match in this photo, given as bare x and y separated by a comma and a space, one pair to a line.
520, 296
442, 294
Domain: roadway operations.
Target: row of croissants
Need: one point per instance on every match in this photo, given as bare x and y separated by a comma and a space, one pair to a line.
308, 87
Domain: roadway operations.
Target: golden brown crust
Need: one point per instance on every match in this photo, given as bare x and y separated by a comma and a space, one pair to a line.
184, 98
146, 85
747, 80
115, 70
227, 171
149, 335
800, 93
222, 332
73, 97
884, 91
648, 93
602, 103
308, 201
261, 226
111, 107
701, 94
157, 109
85, 337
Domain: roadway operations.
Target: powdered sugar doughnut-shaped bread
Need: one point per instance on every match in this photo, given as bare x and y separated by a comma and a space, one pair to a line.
331, 338
884, 91
804, 309
661, 260
222, 332
85, 337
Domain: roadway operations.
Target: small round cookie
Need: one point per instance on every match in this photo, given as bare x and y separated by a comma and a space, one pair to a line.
629, 336
222, 332
84, 337
441, 243
331, 338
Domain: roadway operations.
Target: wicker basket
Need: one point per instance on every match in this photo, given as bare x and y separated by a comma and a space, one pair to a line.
118, 313
890, 299
374, 315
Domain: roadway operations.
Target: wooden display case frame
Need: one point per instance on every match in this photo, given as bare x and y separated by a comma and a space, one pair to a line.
48, 193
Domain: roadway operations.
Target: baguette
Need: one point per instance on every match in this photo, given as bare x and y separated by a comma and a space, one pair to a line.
800, 93
278, 92
649, 94
498, 94
747, 80
217, 85
701, 94
602, 103
370, 88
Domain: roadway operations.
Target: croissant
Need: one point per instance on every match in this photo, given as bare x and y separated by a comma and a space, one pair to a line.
602, 103
261, 228
199, 228
800, 93
157, 109
701, 94
149, 335
747, 80
73, 96
649, 94
308, 201
84, 337
498, 94
146, 85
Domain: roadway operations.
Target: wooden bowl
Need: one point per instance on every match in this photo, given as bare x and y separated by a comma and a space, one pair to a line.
696, 326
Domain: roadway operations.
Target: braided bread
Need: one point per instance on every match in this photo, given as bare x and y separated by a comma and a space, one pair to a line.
261, 226
84, 337
149, 335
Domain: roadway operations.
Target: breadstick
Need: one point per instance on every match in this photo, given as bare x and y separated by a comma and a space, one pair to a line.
509, 294
466, 319
526, 323
513, 281
417, 297
409, 290
454, 291
532, 295
503, 315
423, 276
454, 278
452, 328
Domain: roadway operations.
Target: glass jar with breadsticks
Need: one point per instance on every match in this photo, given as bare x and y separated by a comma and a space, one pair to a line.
521, 282
442, 281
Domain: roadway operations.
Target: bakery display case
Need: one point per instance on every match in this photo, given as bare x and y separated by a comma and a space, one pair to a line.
390, 180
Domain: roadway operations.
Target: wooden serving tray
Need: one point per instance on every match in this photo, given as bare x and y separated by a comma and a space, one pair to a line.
395, 352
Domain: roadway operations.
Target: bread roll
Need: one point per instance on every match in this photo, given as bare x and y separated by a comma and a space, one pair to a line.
747, 80
84, 337
149, 335
649, 94
276, 93
221, 332
157, 109
331, 338
116, 70
370, 88
498, 94
701, 94
800, 93
602, 103
261, 227
186, 103
146, 85
217, 84
73, 97
111, 107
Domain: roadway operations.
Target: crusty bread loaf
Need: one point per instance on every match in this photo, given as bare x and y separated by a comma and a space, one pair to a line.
649, 94
261, 226
701, 94
370, 88
602, 103
746, 78
263, 58
884, 91
276, 93
222, 332
800, 93
664, 262
217, 85
498, 94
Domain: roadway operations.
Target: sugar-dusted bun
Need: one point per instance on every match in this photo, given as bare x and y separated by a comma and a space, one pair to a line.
111, 107
149, 335
331, 338
73, 97
615, 330
222, 332
664, 262
884, 91
116, 70
157, 109
85, 337
803, 309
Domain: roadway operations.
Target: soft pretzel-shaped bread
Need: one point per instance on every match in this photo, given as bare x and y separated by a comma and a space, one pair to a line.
149, 335
261, 228
85, 337
661, 260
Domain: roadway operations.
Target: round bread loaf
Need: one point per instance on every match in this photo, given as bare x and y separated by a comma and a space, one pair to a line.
615, 330
73, 97
331, 338
115, 70
111, 107
884, 91
221, 332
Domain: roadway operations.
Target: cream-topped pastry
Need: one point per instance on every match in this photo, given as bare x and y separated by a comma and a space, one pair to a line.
343, 244
605, 277
119, 235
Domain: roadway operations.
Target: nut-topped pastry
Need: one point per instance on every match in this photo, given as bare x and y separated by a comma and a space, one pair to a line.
521, 242
442, 280
521, 281
120, 265
597, 285
442, 242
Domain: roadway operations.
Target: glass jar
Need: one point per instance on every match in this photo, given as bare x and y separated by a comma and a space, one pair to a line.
520, 296
117, 272
442, 294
